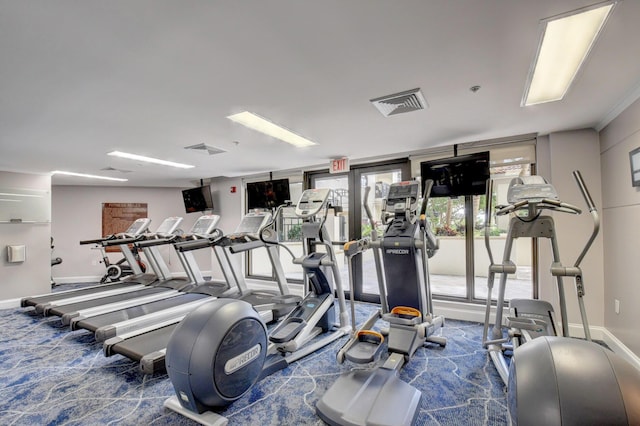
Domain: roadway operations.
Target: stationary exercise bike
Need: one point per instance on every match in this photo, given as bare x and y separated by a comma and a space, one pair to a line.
375, 395
116, 271
221, 349
552, 380
54, 261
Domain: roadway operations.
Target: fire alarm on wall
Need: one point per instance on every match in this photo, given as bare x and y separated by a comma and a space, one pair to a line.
233, 189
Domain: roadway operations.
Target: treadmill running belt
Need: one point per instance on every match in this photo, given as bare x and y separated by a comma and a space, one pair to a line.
33, 301
93, 323
74, 307
138, 346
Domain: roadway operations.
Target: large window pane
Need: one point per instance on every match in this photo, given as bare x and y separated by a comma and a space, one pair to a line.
289, 235
379, 183
448, 267
519, 285
337, 222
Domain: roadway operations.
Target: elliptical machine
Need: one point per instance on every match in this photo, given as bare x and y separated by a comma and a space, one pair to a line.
552, 380
221, 349
376, 396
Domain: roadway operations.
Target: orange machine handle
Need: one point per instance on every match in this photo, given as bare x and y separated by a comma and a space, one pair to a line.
405, 310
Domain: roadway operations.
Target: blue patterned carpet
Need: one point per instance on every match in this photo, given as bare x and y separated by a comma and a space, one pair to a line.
50, 376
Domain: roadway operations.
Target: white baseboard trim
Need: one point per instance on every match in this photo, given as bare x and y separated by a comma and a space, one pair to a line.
10, 303
620, 348
96, 278
75, 280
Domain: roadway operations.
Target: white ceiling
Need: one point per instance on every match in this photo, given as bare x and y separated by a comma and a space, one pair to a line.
79, 79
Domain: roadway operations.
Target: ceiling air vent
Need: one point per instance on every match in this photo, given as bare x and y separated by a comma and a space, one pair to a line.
208, 149
398, 103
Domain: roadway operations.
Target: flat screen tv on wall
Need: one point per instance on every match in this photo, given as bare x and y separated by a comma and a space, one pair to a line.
457, 176
267, 194
197, 199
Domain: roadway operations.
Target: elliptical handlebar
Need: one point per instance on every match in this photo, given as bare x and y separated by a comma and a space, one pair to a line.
367, 209
487, 218
594, 214
583, 189
537, 205
432, 242
428, 184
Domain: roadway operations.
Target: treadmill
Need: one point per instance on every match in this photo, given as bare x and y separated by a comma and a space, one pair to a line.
109, 321
148, 346
149, 284
134, 231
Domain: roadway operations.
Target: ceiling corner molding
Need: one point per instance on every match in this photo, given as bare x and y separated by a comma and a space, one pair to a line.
624, 103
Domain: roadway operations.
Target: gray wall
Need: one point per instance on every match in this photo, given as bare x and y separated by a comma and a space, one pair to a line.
621, 217
77, 215
31, 276
569, 151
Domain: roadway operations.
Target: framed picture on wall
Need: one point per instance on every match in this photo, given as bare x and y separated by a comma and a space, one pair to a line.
116, 217
634, 158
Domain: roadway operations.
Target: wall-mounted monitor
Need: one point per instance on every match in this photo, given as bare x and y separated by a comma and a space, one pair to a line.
457, 176
267, 194
634, 158
197, 199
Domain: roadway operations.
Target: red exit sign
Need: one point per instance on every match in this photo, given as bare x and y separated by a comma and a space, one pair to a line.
339, 165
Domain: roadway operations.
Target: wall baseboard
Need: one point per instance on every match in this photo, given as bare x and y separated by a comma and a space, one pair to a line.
620, 348
10, 303
96, 278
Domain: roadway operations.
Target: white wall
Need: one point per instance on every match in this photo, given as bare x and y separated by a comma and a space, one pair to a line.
564, 153
229, 206
621, 217
77, 215
33, 275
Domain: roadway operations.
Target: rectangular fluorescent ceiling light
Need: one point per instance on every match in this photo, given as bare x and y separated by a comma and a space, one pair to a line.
262, 125
8, 194
565, 42
59, 172
149, 160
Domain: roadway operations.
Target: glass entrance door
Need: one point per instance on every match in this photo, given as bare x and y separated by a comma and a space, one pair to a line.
350, 222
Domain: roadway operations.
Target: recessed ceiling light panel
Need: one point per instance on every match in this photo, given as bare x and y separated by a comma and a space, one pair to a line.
83, 175
137, 157
269, 128
564, 44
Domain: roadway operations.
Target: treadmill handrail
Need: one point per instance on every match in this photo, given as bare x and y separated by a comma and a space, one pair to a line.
156, 242
121, 241
189, 245
98, 240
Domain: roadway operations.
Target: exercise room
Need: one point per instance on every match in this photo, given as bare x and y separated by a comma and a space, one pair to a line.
306, 213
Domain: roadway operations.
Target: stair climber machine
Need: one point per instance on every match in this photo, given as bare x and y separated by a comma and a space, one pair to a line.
136, 230
157, 285
552, 379
109, 320
374, 395
220, 350
144, 339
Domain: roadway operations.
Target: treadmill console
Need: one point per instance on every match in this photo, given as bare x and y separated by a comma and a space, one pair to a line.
251, 223
312, 201
169, 225
205, 224
138, 227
